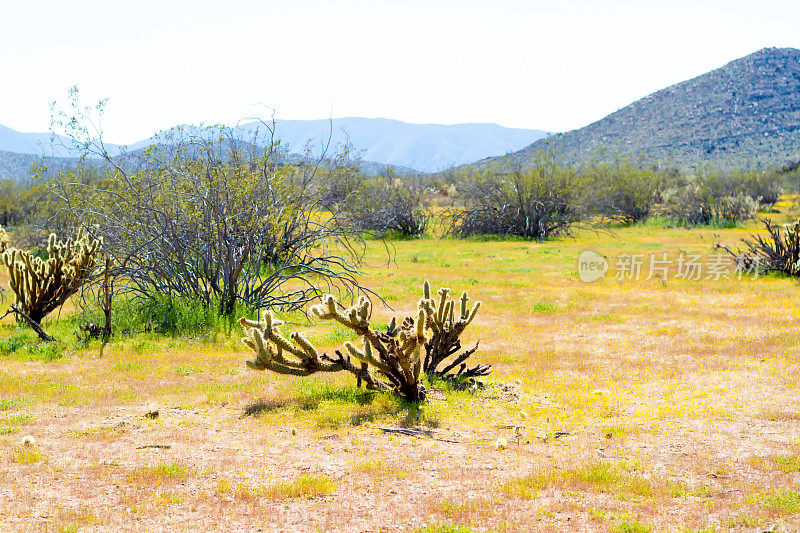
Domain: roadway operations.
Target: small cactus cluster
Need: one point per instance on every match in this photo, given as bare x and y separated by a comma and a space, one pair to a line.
447, 328
791, 244
391, 360
43, 285
4, 240
777, 250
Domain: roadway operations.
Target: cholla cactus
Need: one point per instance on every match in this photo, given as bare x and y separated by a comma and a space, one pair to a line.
778, 250
447, 328
791, 245
4, 240
398, 355
41, 285
394, 355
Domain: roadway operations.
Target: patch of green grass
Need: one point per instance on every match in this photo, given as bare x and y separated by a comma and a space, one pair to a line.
45, 352
544, 307
600, 477
185, 370
785, 501
28, 455
618, 431
786, 463
27, 348
743, 520
313, 393
126, 367
445, 528
334, 336
19, 419
606, 318
380, 468
632, 526
306, 486
11, 344
10, 425
158, 472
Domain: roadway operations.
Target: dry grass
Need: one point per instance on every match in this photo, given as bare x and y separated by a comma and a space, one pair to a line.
678, 399
305, 486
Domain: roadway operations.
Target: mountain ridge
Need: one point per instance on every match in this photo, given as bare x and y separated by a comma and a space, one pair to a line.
379, 142
744, 114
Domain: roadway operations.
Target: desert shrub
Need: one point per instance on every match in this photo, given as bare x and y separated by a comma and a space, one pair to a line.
535, 202
763, 186
20, 202
206, 216
398, 355
177, 317
778, 251
622, 192
709, 199
340, 178
389, 204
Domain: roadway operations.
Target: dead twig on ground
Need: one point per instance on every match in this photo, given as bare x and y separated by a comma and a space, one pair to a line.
414, 433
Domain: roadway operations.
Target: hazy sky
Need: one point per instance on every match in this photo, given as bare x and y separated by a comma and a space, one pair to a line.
553, 65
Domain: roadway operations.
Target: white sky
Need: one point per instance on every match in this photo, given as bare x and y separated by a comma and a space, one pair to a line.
553, 65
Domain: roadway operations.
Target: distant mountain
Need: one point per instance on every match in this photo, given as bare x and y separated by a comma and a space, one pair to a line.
379, 142
18, 166
421, 147
415, 147
31, 143
743, 115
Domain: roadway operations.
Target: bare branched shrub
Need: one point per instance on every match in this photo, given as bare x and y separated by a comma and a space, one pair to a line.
206, 216
536, 202
389, 204
709, 199
622, 192
763, 186
778, 250
340, 178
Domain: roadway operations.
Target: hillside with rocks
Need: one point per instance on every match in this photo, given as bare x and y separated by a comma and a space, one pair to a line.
745, 114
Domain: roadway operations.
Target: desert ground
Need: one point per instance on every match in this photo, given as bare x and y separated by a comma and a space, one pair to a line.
658, 404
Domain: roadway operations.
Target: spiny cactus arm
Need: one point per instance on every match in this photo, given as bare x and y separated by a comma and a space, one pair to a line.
448, 312
446, 326
43, 286
367, 356
362, 374
464, 299
391, 329
277, 368
443, 292
271, 354
4, 240
477, 370
419, 327
355, 317
326, 310
472, 314
312, 357
408, 357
